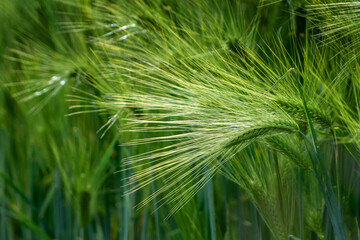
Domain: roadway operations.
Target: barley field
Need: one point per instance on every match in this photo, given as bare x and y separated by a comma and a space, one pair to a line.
179, 119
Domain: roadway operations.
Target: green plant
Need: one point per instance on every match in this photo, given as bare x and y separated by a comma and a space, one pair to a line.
221, 119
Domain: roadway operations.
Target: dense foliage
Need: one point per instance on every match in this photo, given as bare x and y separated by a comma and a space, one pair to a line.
179, 119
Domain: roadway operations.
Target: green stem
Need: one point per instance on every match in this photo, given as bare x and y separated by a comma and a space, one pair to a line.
320, 172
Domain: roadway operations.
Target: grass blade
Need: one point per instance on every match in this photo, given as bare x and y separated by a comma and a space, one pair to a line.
321, 172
